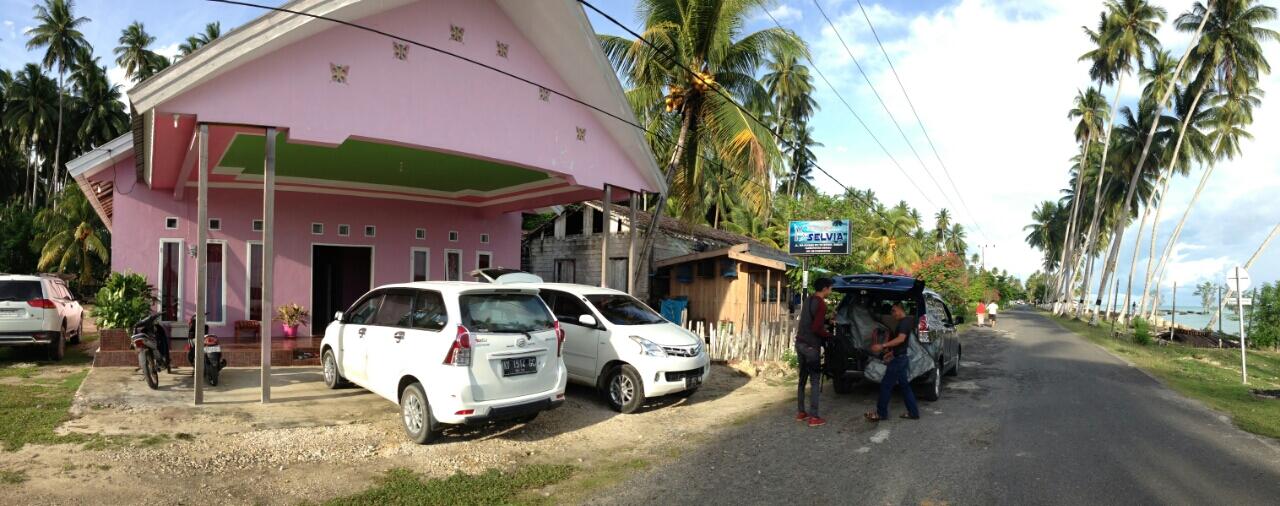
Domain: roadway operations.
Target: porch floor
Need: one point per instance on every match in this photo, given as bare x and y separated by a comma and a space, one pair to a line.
243, 351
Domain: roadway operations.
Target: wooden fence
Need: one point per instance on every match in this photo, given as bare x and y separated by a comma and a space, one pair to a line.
769, 342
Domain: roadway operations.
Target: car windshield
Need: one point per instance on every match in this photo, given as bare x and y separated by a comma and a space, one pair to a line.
624, 310
505, 313
12, 291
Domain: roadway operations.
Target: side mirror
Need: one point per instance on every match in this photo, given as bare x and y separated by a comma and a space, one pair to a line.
337, 316
588, 320
959, 319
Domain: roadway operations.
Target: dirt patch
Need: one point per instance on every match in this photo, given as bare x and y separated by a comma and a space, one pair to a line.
314, 443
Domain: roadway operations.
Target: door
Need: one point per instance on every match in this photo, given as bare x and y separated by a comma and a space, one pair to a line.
71, 309
939, 326
581, 343
386, 352
339, 276
353, 338
513, 351
416, 344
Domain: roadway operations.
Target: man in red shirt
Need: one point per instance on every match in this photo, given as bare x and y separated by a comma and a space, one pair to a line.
811, 335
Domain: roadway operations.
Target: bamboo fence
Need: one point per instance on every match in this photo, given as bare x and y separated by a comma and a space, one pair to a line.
769, 342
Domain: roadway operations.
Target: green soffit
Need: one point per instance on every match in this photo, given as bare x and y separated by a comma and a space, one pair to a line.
365, 162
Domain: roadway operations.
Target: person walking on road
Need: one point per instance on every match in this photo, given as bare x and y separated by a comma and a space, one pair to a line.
896, 370
811, 334
992, 309
982, 313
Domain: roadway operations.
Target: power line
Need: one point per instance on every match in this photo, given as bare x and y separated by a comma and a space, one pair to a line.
954, 188
858, 117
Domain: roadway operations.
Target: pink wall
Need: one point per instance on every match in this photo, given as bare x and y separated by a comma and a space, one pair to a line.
139, 219
429, 100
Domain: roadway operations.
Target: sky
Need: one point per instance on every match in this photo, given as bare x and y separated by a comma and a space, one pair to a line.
992, 81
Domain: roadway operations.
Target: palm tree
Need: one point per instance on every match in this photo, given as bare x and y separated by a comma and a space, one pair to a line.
1043, 233
72, 235
133, 54
1229, 60
104, 117
1125, 32
705, 36
211, 31
58, 31
29, 111
955, 240
1090, 107
889, 240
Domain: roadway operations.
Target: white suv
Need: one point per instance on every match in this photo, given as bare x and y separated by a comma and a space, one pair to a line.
617, 344
449, 353
38, 311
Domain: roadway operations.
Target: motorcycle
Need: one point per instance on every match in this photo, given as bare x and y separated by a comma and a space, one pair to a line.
153, 349
213, 361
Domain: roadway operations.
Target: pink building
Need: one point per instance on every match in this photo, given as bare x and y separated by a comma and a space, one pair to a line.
392, 161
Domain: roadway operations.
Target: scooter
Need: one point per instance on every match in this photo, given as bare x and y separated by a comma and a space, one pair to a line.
213, 361
153, 349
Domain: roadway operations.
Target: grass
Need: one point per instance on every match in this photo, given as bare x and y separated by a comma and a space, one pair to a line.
8, 477
401, 486
1209, 375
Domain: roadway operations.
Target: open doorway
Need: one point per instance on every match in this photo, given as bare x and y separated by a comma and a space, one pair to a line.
339, 276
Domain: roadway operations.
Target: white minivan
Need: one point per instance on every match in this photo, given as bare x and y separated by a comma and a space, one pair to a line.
617, 344
449, 353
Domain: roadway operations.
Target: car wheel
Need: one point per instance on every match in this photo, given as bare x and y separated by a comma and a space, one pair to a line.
843, 385
934, 386
624, 389
332, 377
75, 338
58, 348
955, 369
415, 413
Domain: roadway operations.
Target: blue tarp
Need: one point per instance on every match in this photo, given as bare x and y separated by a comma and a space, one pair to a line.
671, 309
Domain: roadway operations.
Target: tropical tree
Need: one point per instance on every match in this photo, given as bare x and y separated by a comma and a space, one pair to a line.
956, 240
133, 53
211, 31
941, 226
71, 235
30, 109
103, 117
1090, 108
889, 240
691, 86
1045, 232
57, 30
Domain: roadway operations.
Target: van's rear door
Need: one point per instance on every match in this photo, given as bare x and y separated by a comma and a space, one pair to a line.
514, 346
16, 313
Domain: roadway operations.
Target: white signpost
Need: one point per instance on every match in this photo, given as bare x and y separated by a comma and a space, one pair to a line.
1238, 281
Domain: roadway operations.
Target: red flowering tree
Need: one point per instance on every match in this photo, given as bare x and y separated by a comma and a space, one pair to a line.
946, 275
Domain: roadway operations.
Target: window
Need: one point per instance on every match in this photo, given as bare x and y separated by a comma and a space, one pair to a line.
566, 307
363, 312
216, 288
170, 223
317, 229
254, 282
504, 312
344, 230
370, 231
215, 224
170, 279
565, 271
597, 221
420, 234
707, 268
624, 310
616, 277
396, 310
419, 264
452, 265
20, 291
257, 225
453, 236
484, 259
484, 238
428, 311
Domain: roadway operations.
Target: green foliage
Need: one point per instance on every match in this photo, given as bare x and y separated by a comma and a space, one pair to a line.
71, 237
1141, 331
124, 300
16, 234
402, 486
1264, 317
791, 360
946, 275
292, 314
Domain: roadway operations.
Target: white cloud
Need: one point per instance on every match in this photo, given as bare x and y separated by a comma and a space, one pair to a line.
783, 13
115, 73
1185, 270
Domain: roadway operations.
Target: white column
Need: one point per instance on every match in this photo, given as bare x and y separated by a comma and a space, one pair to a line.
268, 258
631, 248
196, 334
604, 232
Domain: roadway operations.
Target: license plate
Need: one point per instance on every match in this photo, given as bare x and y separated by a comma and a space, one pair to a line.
213, 349
10, 312
519, 366
693, 380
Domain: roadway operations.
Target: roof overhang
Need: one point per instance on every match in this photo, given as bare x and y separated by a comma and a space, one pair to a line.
101, 192
739, 252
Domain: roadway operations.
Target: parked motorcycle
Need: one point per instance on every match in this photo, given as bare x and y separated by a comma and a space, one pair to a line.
213, 361
153, 349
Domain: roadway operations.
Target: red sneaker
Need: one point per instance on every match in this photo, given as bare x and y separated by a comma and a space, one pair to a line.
816, 421
802, 416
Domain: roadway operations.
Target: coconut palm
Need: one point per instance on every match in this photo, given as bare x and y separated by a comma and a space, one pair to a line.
211, 31
1090, 107
1044, 232
941, 226
889, 240
133, 53
956, 240
30, 111
707, 37
57, 30
104, 117
72, 235
1126, 31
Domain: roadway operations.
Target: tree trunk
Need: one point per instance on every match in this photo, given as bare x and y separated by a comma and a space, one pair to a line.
1133, 260
1151, 249
1097, 196
56, 175
1247, 265
687, 130
1068, 241
1177, 231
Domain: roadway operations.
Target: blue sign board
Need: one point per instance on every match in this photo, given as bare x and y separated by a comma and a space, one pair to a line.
827, 237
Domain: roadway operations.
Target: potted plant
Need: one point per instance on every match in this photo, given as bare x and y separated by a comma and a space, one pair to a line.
291, 316
124, 300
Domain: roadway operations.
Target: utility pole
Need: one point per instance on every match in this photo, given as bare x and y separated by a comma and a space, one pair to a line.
984, 247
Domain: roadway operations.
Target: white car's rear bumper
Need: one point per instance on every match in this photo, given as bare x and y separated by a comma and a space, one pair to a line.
451, 405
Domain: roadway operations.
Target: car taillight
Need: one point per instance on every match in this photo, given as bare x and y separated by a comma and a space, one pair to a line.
210, 340
559, 340
139, 343
460, 352
464, 412
41, 303
924, 324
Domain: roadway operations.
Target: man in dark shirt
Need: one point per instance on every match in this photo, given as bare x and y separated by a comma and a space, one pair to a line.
811, 334
897, 370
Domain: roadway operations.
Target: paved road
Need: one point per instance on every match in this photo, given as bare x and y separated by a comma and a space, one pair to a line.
1036, 416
